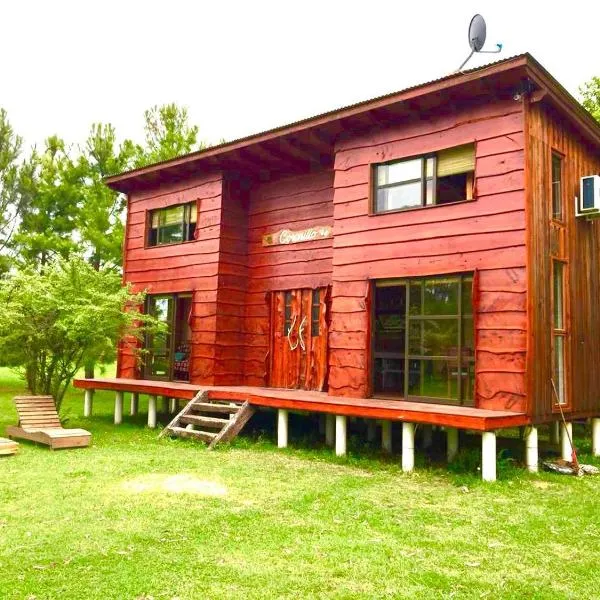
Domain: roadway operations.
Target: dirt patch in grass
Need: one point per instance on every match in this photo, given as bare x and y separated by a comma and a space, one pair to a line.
174, 484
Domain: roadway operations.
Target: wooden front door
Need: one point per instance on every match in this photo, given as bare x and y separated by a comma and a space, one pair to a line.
299, 326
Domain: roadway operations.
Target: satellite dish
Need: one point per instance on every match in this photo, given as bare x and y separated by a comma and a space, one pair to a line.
477, 33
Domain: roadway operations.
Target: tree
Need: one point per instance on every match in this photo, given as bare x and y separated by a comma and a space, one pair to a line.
56, 319
52, 183
168, 135
100, 219
590, 92
11, 199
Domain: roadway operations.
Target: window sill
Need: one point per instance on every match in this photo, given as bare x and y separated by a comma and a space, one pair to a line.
148, 247
413, 208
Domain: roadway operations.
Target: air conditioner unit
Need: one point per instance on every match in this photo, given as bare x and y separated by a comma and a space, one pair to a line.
588, 203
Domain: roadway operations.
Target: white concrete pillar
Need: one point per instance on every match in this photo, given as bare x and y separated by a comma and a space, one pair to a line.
451, 443
555, 432
282, 428
164, 405
152, 412
427, 436
134, 404
566, 430
386, 436
531, 449
330, 430
408, 446
118, 408
596, 437
488, 456
371, 430
340, 435
173, 406
88, 402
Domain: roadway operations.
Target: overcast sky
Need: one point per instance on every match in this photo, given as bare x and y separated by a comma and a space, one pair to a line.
243, 67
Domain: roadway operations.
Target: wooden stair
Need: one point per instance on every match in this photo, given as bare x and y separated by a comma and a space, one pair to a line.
209, 420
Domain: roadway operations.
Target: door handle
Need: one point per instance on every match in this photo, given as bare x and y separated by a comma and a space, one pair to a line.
300, 334
289, 333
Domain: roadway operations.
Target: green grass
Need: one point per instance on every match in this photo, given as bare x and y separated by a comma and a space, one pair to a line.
297, 523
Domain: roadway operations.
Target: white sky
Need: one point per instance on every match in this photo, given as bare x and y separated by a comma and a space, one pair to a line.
243, 67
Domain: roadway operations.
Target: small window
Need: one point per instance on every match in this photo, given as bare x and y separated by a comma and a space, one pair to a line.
287, 322
173, 225
557, 203
559, 333
315, 314
442, 178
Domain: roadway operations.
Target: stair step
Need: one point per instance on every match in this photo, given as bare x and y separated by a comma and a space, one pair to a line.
213, 407
205, 436
210, 422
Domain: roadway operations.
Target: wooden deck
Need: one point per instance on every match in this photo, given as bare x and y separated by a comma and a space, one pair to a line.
302, 400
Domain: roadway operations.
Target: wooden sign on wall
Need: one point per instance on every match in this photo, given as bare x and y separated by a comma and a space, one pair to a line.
287, 236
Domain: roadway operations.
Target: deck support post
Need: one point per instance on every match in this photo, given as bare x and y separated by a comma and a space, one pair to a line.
451, 443
152, 412
555, 433
386, 436
371, 430
173, 406
566, 431
408, 446
88, 401
118, 408
282, 428
330, 430
531, 449
340, 435
596, 436
488, 456
134, 405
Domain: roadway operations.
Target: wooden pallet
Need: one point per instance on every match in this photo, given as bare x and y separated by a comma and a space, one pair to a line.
209, 420
8, 447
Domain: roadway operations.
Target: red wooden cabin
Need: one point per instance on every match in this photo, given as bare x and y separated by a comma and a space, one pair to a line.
414, 257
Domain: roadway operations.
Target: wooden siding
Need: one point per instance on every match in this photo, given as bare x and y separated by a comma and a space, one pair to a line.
548, 132
189, 267
297, 202
486, 236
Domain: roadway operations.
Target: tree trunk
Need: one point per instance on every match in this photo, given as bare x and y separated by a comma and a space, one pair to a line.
89, 371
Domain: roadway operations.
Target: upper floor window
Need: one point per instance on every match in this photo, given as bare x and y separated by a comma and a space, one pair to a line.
440, 178
557, 203
173, 225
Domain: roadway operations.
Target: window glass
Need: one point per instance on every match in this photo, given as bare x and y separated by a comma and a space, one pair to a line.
558, 296
433, 337
172, 225
559, 369
433, 379
557, 209
467, 296
398, 172
440, 297
405, 195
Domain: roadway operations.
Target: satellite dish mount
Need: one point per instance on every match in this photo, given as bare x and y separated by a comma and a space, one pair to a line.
477, 32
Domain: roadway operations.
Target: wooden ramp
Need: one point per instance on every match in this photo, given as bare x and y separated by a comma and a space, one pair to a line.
39, 422
209, 420
8, 447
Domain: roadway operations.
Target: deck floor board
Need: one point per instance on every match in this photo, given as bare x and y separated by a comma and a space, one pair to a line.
463, 417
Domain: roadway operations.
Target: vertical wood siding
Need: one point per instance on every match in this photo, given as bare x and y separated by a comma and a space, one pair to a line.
487, 236
548, 132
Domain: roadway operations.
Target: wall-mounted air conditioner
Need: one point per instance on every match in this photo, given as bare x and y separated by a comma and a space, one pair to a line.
588, 203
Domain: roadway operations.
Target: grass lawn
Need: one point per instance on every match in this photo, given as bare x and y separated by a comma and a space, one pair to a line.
133, 517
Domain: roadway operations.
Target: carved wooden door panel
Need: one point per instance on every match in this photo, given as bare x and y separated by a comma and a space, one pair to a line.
299, 339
